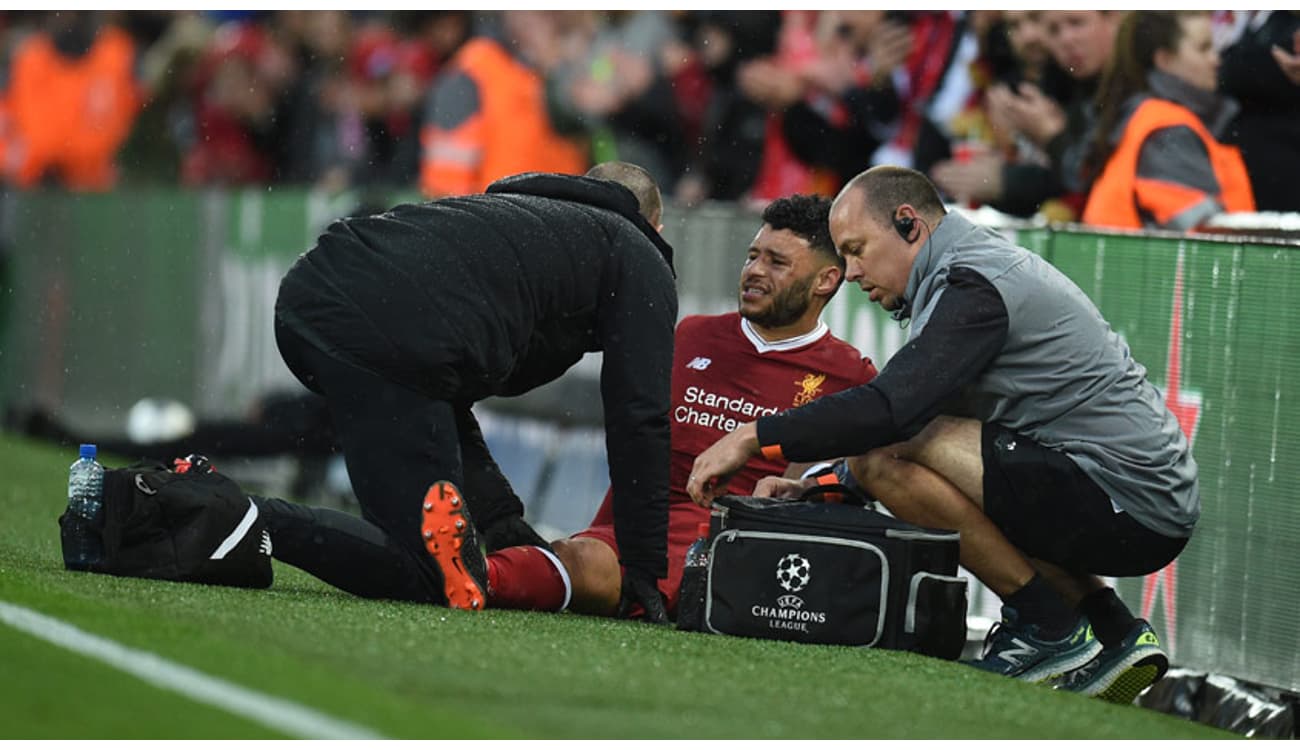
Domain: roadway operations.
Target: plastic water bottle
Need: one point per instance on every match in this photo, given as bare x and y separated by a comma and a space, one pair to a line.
85, 511
695, 572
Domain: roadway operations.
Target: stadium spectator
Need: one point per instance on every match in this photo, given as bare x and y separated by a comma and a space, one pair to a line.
1013, 174
164, 130
392, 62
1156, 151
892, 87
318, 135
955, 109
1066, 463
1059, 119
1028, 39
1261, 70
930, 81
614, 89
726, 158
487, 114
689, 80
850, 104
405, 319
773, 354
236, 87
778, 83
71, 100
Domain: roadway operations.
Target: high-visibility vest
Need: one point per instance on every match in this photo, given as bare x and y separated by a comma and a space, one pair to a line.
1117, 194
7, 153
70, 115
510, 133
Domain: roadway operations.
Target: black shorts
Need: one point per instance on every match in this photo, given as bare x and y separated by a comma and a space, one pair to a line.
1050, 510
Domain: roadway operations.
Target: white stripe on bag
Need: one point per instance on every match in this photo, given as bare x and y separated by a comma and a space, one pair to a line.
238, 534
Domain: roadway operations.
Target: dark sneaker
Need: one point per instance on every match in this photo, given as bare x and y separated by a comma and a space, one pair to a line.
1119, 673
1014, 649
449, 537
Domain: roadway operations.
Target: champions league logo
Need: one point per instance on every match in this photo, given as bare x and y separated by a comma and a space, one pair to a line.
793, 572
789, 601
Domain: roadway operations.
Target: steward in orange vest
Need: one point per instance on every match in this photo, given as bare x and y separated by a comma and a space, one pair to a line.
489, 120
1167, 169
68, 115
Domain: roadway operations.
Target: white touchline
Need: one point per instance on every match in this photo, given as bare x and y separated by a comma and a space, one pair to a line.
282, 715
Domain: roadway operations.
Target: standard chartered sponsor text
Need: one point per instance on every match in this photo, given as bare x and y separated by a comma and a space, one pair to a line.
739, 406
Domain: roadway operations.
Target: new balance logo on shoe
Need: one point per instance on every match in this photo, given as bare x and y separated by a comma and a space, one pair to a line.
699, 363
265, 546
1013, 655
1014, 649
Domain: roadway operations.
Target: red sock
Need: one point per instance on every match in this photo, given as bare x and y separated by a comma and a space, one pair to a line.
527, 578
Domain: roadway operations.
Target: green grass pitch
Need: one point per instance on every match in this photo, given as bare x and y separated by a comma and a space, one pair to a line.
408, 671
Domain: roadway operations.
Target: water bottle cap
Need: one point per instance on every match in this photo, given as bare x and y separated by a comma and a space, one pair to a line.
88, 450
704, 528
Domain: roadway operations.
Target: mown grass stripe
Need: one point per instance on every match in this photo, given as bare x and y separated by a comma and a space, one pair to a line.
277, 713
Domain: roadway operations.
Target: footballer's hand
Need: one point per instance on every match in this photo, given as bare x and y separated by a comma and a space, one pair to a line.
639, 588
714, 467
781, 487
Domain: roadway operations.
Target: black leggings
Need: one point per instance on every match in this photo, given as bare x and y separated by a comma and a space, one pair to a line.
396, 442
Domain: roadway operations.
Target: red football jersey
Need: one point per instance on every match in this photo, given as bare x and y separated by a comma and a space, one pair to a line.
725, 375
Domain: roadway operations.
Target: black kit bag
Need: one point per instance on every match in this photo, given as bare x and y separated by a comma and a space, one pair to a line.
830, 573
197, 526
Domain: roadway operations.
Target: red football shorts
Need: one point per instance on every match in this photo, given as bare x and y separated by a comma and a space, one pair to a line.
684, 519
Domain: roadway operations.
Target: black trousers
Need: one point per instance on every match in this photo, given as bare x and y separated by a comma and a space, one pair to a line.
396, 442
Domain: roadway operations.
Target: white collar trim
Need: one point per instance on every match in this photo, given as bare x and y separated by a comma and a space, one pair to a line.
784, 345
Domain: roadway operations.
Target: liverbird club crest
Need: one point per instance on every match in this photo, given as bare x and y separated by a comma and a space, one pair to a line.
811, 386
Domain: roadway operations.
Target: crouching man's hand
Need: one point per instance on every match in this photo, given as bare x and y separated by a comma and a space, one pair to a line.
781, 487
713, 468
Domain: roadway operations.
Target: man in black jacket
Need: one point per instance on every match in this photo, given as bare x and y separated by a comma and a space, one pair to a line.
404, 319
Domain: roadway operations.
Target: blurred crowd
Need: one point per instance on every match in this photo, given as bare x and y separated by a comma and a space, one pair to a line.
1025, 111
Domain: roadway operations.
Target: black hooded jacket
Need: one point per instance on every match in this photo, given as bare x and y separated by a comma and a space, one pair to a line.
495, 294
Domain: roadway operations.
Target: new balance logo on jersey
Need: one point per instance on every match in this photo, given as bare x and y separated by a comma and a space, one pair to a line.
699, 363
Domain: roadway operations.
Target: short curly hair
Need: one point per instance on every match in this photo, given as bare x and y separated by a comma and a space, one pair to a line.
808, 216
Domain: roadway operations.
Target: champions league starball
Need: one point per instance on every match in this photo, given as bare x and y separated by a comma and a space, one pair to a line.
793, 572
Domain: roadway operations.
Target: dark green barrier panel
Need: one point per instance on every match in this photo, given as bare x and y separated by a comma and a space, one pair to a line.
103, 299
1213, 324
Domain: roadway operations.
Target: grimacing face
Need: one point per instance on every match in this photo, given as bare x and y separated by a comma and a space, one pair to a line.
877, 259
777, 278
